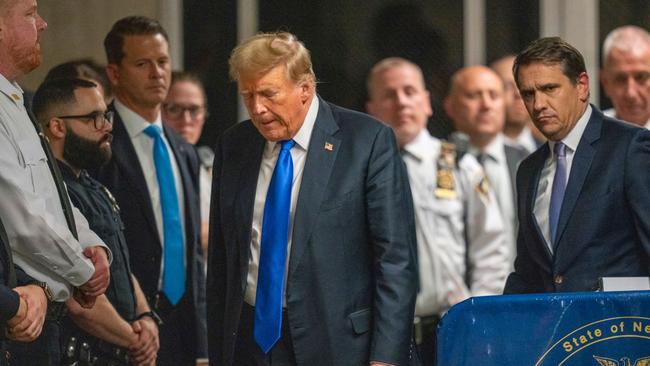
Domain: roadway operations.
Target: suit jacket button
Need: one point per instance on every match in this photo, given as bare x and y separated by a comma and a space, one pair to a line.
558, 280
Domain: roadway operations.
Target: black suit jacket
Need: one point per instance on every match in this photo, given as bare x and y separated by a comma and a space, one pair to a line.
604, 225
123, 176
352, 273
9, 300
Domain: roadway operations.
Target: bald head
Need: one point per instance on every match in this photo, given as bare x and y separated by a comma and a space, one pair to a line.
626, 73
476, 103
399, 98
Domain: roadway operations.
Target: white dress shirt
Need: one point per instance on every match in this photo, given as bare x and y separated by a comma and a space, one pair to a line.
496, 169
545, 185
143, 144
269, 158
453, 231
31, 210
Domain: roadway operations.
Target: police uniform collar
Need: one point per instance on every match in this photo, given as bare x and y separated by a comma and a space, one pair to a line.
12, 90
420, 146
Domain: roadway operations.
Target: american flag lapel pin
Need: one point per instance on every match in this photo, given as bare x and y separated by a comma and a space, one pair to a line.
329, 146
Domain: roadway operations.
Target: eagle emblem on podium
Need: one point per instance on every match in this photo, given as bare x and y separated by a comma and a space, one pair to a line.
624, 361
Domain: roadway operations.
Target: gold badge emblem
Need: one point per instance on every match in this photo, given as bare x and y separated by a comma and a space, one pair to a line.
445, 180
483, 189
625, 361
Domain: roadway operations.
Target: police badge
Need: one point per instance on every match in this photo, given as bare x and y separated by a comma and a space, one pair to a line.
445, 180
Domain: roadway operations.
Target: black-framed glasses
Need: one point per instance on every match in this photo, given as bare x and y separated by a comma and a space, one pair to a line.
177, 110
100, 119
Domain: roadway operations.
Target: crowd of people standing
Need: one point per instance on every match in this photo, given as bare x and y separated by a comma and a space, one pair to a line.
309, 233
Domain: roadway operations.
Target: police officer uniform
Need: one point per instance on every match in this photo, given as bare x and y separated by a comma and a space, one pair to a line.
462, 247
102, 212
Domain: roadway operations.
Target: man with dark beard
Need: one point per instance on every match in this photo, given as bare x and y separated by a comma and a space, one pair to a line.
120, 328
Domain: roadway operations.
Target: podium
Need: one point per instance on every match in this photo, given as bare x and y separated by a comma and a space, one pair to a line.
600, 328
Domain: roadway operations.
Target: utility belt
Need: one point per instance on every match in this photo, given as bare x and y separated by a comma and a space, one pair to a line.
424, 327
56, 310
81, 350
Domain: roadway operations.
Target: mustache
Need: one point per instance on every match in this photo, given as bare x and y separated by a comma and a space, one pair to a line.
107, 138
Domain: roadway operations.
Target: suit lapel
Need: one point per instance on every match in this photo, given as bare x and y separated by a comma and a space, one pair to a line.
582, 159
125, 156
315, 178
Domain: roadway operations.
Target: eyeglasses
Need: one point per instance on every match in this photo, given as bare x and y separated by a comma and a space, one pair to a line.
177, 110
100, 118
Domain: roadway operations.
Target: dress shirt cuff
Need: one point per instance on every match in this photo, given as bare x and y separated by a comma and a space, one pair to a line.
89, 239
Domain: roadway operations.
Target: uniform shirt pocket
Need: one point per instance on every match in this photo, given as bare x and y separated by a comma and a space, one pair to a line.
36, 165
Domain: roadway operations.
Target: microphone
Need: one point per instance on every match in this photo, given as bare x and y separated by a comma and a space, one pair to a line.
461, 141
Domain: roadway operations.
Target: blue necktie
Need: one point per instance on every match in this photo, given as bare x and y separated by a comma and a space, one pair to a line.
559, 186
173, 283
273, 256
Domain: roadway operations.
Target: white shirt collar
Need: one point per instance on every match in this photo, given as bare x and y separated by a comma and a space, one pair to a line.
573, 138
420, 146
133, 122
12, 90
494, 149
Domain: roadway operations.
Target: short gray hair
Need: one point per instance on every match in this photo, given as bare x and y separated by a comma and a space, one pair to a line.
625, 39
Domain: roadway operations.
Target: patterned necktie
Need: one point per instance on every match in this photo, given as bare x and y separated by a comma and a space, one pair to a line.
173, 283
273, 256
559, 186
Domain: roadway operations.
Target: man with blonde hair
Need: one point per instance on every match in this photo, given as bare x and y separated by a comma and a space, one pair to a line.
626, 74
310, 261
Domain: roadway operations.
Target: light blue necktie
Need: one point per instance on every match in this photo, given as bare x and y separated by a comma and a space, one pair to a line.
559, 186
173, 283
273, 256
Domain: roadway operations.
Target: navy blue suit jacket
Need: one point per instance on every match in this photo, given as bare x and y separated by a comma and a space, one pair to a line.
352, 271
10, 277
124, 178
604, 225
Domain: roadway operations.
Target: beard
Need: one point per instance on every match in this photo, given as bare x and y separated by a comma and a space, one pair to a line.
28, 59
83, 153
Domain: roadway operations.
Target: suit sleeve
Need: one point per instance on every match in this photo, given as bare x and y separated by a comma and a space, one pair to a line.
393, 248
9, 302
216, 278
9, 299
637, 182
522, 279
525, 278
198, 263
